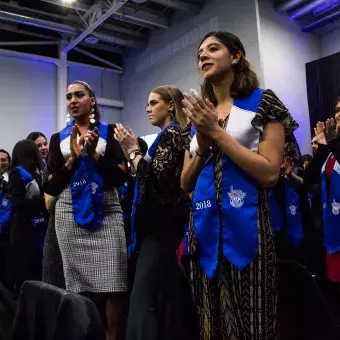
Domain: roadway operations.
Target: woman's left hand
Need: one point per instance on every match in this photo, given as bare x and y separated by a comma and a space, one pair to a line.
330, 130
202, 114
126, 138
91, 139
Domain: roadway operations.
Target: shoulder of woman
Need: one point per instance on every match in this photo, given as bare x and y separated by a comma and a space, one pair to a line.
14, 173
55, 138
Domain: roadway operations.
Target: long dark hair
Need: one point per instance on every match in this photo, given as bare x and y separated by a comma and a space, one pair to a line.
26, 154
92, 95
35, 135
245, 79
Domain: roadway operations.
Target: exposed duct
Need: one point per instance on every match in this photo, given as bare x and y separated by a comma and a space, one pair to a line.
287, 5
62, 28
306, 9
327, 6
321, 22
49, 25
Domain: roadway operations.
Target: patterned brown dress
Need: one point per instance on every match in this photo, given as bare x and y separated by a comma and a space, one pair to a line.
242, 304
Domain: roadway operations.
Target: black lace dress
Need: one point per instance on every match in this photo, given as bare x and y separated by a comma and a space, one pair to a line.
156, 310
242, 305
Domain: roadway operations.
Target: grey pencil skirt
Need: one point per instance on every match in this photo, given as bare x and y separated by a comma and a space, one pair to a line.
92, 261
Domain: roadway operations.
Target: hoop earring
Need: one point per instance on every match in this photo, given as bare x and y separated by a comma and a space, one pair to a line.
92, 120
68, 117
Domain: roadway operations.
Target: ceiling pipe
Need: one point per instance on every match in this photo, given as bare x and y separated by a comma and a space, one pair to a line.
306, 9
321, 22
62, 28
287, 5
326, 7
40, 23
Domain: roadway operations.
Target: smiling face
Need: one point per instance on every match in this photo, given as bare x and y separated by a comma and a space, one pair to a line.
158, 110
214, 59
79, 102
4, 163
42, 145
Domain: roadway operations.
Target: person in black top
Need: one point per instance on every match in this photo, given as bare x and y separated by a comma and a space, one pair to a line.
162, 209
42, 143
127, 190
88, 216
29, 215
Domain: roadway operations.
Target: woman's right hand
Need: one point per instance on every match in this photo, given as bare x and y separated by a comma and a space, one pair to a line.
319, 131
76, 146
204, 143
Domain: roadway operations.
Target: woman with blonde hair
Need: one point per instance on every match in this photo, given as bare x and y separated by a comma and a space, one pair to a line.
160, 211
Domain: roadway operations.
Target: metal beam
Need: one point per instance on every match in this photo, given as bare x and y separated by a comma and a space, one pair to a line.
321, 22
102, 47
71, 19
115, 7
35, 22
179, 5
61, 87
287, 5
54, 61
64, 28
129, 15
305, 9
12, 5
143, 18
101, 68
123, 30
27, 43
93, 56
14, 29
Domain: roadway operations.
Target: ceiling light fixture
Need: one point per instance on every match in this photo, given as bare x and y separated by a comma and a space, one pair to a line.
91, 40
68, 1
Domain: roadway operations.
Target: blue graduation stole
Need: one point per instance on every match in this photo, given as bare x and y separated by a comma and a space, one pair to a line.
5, 209
87, 186
237, 226
39, 221
186, 239
331, 209
293, 215
148, 157
123, 189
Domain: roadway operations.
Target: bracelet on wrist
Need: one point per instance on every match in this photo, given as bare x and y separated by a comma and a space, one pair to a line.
200, 154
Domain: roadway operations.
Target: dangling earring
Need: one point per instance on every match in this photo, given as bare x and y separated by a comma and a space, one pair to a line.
172, 115
68, 117
92, 120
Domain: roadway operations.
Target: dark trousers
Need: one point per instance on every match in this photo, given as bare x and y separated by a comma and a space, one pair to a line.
155, 305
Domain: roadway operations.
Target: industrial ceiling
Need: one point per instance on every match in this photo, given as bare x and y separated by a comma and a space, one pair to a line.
90, 31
